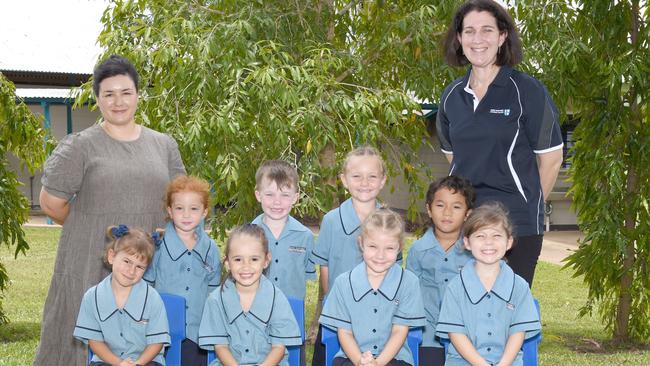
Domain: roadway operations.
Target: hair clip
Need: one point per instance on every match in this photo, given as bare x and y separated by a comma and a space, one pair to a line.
156, 237
120, 230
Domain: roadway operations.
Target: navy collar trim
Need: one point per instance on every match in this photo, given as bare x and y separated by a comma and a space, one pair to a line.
135, 304
175, 249
503, 287
389, 286
261, 309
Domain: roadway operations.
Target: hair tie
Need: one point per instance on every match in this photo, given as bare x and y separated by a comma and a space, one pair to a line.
120, 230
156, 237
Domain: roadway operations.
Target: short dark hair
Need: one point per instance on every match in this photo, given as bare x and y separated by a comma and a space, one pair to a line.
114, 65
510, 52
455, 184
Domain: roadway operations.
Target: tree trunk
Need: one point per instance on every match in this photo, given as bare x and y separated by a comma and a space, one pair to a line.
621, 327
327, 159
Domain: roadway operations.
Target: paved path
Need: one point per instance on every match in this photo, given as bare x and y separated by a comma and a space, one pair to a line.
557, 244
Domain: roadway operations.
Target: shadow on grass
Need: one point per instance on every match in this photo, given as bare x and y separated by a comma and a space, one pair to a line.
581, 344
19, 331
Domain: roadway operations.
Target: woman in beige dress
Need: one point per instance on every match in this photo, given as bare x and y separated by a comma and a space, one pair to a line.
114, 172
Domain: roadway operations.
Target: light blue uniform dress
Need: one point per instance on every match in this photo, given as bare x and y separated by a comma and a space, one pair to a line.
353, 304
435, 268
191, 274
127, 331
249, 335
337, 247
291, 265
487, 318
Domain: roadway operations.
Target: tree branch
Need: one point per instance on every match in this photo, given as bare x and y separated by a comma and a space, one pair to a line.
371, 59
203, 7
346, 7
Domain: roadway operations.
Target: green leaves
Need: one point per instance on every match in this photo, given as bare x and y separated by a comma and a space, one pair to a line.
239, 82
21, 135
588, 57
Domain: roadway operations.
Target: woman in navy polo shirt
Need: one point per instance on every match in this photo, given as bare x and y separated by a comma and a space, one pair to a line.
498, 127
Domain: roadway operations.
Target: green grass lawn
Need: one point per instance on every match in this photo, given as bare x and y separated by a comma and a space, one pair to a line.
567, 340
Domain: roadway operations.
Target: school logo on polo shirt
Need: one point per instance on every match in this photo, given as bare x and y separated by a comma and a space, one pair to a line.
505, 112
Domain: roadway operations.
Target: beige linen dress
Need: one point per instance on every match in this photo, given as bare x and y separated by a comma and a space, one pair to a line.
109, 182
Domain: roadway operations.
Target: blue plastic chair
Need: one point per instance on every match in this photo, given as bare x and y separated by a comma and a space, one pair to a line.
332, 346
531, 344
298, 308
175, 308
529, 348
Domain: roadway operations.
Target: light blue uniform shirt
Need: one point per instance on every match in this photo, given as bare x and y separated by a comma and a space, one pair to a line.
435, 268
128, 331
249, 335
353, 304
191, 274
487, 318
291, 265
337, 247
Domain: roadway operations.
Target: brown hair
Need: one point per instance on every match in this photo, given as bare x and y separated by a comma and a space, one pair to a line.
279, 171
184, 183
252, 230
509, 53
490, 213
364, 150
386, 220
132, 240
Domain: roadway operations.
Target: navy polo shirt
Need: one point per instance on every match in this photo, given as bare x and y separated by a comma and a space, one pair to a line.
495, 141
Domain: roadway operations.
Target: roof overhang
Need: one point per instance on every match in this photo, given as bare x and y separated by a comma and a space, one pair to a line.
45, 78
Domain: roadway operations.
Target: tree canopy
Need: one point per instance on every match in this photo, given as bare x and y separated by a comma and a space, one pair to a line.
21, 134
594, 56
237, 82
